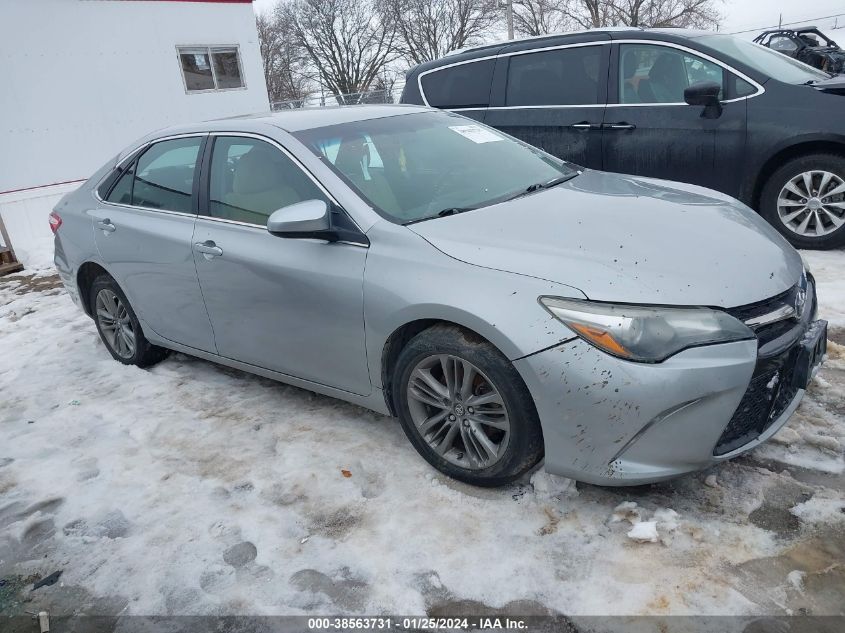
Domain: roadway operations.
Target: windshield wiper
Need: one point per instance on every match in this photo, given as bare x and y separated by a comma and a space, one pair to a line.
453, 211
537, 186
442, 214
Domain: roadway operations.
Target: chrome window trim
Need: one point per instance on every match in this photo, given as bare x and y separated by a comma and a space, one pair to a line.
546, 107
263, 229
131, 156
134, 153
511, 54
697, 53
692, 51
150, 209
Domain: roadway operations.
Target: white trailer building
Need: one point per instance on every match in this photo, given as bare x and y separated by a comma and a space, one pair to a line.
84, 78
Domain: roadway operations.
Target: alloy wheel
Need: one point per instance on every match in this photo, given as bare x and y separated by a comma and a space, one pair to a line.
458, 411
115, 323
812, 204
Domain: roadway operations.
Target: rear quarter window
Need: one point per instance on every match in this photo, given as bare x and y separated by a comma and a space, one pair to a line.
462, 86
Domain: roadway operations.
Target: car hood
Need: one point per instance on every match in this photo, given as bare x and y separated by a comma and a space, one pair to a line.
627, 239
835, 85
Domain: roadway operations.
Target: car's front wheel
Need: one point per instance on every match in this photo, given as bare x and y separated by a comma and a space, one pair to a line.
465, 408
805, 200
119, 327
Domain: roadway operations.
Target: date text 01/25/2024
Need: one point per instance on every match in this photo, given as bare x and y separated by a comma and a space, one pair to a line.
415, 623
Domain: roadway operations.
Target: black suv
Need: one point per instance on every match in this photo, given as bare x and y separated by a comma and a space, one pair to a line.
691, 106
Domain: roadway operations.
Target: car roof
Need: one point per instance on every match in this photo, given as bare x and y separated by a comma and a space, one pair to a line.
611, 33
298, 119
293, 120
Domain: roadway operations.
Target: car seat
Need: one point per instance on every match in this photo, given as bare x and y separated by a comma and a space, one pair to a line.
629, 69
353, 161
667, 80
258, 187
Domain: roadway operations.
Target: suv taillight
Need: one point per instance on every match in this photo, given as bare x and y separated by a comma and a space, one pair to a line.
55, 222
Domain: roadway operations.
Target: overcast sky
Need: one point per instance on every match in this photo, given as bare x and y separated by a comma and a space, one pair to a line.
748, 14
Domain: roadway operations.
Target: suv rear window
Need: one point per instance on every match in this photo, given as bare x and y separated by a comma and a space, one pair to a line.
462, 86
567, 76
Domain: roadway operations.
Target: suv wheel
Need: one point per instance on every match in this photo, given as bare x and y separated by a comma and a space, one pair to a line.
465, 408
119, 327
805, 201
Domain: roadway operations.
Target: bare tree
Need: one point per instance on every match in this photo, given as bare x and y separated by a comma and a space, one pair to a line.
540, 17
347, 42
285, 68
662, 13
589, 14
646, 13
428, 29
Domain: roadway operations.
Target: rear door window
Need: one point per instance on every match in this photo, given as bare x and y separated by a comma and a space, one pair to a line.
566, 76
462, 86
162, 178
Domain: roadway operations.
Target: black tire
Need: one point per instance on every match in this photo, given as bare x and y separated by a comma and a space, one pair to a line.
144, 353
832, 163
524, 448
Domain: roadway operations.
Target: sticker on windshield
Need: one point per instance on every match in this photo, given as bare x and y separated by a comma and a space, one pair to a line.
476, 133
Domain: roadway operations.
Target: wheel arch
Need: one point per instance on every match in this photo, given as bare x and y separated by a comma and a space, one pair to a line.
804, 147
85, 277
399, 338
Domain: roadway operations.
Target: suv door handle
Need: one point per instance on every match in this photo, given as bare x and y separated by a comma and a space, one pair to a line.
106, 226
208, 248
619, 126
584, 126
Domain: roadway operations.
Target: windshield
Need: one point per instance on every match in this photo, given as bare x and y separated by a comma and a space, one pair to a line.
415, 166
765, 60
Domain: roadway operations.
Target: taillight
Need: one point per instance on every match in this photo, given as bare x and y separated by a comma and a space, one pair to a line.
55, 222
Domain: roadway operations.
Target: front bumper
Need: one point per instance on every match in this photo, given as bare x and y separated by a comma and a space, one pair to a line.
609, 421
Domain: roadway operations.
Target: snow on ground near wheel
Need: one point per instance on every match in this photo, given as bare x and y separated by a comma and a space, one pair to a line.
826, 267
192, 488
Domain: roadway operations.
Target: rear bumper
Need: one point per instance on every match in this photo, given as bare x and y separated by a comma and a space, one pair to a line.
612, 422
65, 271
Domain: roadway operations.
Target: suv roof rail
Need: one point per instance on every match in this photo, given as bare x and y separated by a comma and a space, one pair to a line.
606, 29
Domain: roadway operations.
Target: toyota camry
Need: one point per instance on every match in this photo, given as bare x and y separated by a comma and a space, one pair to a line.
505, 305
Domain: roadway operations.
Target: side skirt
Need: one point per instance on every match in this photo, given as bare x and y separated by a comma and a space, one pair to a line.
374, 401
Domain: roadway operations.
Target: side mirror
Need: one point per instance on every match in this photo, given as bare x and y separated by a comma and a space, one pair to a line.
705, 93
307, 219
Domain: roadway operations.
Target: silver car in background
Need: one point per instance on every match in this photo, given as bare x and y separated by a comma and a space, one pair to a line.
504, 304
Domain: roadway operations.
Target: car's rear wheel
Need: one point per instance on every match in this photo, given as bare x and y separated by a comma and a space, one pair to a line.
465, 408
118, 326
805, 200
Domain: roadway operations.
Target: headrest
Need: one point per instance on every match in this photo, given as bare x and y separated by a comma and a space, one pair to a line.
256, 171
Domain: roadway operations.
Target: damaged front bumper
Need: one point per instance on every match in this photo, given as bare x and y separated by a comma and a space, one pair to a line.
609, 421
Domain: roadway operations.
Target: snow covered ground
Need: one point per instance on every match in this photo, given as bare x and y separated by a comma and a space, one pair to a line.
195, 489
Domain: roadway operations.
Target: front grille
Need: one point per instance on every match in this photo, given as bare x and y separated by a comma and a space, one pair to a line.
772, 386
768, 395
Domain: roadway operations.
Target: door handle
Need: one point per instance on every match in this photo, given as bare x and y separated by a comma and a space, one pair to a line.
208, 248
619, 126
584, 126
106, 226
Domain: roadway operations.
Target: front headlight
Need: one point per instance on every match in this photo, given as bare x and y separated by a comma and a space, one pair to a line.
646, 334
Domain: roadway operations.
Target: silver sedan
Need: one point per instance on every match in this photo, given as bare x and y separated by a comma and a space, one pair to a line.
503, 304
